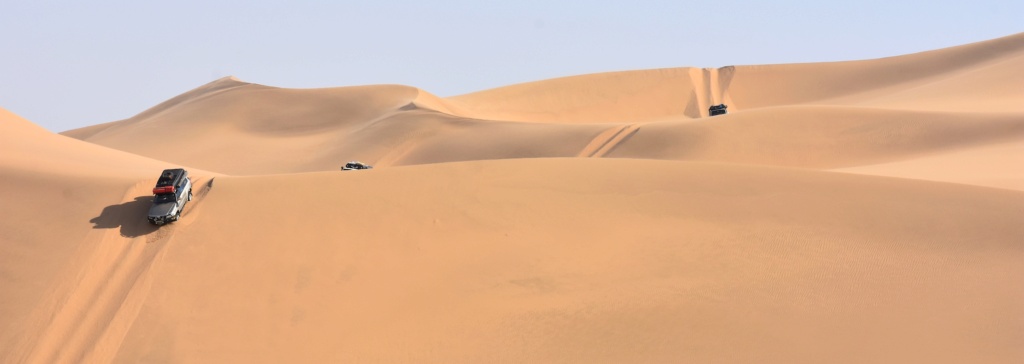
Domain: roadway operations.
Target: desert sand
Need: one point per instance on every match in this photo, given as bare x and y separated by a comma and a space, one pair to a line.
849, 212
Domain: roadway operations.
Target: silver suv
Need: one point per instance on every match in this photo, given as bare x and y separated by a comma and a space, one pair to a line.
173, 190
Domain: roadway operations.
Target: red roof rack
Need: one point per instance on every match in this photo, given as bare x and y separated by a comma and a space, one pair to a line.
164, 189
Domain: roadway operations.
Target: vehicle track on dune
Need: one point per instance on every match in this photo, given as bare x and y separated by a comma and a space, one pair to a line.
711, 87
608, 140
88, 313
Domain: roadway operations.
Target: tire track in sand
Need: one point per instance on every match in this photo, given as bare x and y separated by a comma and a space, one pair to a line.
608, 140
86, 318
711, 87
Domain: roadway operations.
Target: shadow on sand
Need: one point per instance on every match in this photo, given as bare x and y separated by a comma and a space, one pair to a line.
129, 216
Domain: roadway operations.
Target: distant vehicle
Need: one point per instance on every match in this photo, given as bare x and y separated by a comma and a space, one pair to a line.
355, 165
717, 110
173, 190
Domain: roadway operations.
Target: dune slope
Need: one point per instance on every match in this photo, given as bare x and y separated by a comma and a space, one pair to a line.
572, 260
986, 71
818, 115
54, 190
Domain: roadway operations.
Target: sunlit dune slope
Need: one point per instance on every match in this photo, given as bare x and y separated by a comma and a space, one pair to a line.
598, 260
238, 127
985, 75
982, 76
53, 189
820, 137
253, 129
818, 115
996, 165
29, 148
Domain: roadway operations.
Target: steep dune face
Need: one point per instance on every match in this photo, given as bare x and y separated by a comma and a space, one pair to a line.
54, 191
30, 148
595, 218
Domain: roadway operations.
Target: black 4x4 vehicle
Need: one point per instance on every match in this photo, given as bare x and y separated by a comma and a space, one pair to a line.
172, 191
717, 110
354, 165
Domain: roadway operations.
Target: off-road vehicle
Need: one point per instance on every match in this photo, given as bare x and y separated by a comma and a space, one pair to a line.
717, 110
353, 165
173, 190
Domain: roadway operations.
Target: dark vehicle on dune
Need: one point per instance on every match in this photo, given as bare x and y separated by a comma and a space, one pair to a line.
717, 110
355, 165
173, 190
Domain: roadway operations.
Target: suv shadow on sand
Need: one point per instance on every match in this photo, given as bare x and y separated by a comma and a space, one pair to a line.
129, 216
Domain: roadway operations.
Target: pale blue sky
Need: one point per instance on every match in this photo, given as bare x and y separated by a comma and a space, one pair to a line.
65, 64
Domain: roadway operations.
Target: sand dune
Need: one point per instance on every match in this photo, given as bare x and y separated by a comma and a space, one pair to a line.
820, 136
53, 189
849, 212
824, 115
985, 70
860, 82
567, 259
561, 259
990, 165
